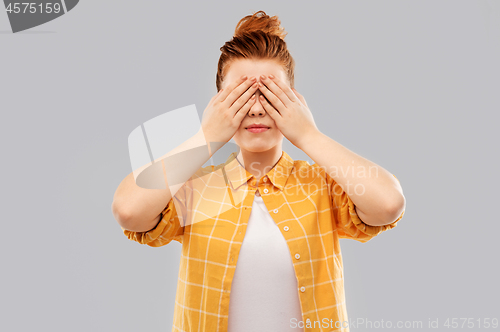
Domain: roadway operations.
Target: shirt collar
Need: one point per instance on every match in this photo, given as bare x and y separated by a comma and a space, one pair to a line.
238, 175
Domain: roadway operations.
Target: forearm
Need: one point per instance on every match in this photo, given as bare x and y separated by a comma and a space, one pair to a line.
376, 193
137, 208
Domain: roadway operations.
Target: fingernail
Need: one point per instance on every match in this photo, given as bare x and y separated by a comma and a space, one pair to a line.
263, 77
271, 76
244, 77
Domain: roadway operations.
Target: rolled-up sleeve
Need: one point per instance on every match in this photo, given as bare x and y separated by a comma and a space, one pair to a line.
169, 228
347, 221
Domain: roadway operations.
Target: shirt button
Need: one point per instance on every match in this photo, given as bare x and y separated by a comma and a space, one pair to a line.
297, 256
302, 289
265, 179
266, 191
275, 210
286, 228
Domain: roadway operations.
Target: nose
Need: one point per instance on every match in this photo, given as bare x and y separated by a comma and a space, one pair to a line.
257, 110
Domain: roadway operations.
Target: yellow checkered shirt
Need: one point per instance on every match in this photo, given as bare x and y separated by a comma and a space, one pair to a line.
209, 216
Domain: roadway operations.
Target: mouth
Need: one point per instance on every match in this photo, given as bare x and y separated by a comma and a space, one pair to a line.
257, 128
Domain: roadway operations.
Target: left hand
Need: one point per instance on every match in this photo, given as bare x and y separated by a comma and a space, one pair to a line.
288, 109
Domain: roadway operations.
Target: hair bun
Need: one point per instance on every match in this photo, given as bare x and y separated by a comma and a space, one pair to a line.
260, 21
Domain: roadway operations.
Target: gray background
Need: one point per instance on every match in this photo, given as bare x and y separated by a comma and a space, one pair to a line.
411, 85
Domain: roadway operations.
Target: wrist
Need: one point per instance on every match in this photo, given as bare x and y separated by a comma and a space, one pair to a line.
206, 138
308, 139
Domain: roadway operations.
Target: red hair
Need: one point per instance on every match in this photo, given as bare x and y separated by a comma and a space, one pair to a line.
257, 36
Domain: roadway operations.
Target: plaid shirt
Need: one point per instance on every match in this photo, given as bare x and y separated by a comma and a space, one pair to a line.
209, 216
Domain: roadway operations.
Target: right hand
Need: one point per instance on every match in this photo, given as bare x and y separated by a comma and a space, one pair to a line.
225, 111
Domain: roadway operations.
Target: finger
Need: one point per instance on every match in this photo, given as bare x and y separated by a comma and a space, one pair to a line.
271, 97
235, 90
242, 100
215, 97
242, 112
230, 87
301, 98
275, 115
284, 88
276, 91
298, 95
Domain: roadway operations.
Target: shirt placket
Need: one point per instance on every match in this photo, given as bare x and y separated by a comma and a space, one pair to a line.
277, 209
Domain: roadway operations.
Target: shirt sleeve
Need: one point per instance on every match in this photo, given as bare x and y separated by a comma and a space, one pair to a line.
348, 223
169, 228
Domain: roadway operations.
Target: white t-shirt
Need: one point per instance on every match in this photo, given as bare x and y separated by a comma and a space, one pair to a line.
264, 293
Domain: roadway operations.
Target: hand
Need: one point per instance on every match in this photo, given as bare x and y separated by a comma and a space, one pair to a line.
225, 111
288, 109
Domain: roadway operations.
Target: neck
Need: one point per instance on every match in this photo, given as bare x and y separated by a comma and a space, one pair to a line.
260, 163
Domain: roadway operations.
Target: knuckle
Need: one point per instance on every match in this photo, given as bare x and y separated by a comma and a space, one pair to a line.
234, 93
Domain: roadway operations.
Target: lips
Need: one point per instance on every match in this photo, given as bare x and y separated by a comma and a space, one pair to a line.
257, 126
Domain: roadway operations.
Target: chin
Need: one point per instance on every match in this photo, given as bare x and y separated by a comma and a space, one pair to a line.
253, 146
257, 149
256, 144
